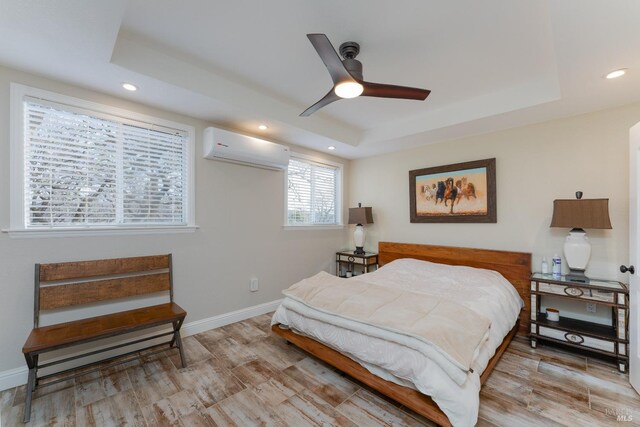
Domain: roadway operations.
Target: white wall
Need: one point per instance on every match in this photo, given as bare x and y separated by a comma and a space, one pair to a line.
535, 165
240, 213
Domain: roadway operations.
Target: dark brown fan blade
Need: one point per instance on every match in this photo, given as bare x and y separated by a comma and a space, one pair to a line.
391, 91
328, 99
330, 58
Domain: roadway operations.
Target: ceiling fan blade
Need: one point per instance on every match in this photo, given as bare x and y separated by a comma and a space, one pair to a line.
326, 100
330, 58
392, 91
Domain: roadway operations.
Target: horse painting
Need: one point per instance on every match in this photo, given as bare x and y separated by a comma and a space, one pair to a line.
461, 192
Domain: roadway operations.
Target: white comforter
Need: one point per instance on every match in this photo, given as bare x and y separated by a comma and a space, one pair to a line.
396, 358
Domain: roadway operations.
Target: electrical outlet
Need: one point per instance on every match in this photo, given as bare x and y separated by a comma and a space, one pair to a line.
591, 307
253, 286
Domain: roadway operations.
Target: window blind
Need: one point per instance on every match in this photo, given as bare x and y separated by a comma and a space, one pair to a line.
312, 193
90, 169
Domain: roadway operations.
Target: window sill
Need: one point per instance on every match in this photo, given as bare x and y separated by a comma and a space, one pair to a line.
93, 231
313, 227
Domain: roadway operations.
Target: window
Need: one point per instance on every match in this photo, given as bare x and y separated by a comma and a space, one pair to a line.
92, 168
313, 192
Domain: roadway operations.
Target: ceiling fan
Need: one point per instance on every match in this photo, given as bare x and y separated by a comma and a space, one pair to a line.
347, 76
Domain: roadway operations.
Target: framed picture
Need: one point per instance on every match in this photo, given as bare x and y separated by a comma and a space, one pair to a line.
462, 192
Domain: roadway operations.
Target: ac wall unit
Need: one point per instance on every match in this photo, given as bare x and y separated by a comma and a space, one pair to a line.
232, 147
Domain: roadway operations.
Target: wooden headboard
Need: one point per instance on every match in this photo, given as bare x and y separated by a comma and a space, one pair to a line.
514, 266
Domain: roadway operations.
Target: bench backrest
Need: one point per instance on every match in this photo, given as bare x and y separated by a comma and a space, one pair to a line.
68, 284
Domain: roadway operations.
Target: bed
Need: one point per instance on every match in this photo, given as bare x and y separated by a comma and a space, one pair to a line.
326, 339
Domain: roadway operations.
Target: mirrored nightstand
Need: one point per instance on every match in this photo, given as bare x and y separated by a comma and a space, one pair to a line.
610, 340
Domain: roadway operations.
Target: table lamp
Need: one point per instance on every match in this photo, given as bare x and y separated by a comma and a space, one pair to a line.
360, 216
578, 214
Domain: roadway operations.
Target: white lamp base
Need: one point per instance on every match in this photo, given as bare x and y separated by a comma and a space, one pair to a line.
577, 251
358, 239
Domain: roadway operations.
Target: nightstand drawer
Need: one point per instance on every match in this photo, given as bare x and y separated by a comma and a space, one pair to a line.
357, 260
577, 292
577, 339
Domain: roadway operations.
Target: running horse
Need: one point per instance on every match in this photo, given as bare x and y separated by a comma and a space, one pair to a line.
468, 189
440, 191
465, 189
450, 193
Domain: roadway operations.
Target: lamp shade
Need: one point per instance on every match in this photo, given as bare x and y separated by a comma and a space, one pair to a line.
581, 213
360, 216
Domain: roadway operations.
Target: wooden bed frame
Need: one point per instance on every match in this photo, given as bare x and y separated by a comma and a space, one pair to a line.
514, 266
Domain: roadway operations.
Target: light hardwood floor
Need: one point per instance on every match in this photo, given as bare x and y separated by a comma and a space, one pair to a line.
241, 375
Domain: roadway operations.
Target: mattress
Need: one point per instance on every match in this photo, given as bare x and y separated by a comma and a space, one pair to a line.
395, 357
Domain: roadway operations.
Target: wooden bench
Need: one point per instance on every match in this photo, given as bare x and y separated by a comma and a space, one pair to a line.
62, 285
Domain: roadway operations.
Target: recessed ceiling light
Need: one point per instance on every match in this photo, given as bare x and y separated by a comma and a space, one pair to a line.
130, 87
616, 73
331, 147
263, 127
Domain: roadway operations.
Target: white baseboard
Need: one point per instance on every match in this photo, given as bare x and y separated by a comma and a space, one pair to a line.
18, 376
198, 326
13, 378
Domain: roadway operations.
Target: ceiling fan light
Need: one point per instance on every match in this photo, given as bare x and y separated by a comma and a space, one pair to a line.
348, 89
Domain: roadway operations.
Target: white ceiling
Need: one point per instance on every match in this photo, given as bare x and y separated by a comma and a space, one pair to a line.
490, 65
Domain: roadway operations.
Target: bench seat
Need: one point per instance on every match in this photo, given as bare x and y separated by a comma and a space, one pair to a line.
64, 285
62, 335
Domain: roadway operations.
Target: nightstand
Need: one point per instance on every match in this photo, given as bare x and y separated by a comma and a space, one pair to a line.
596, 338
355, 263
